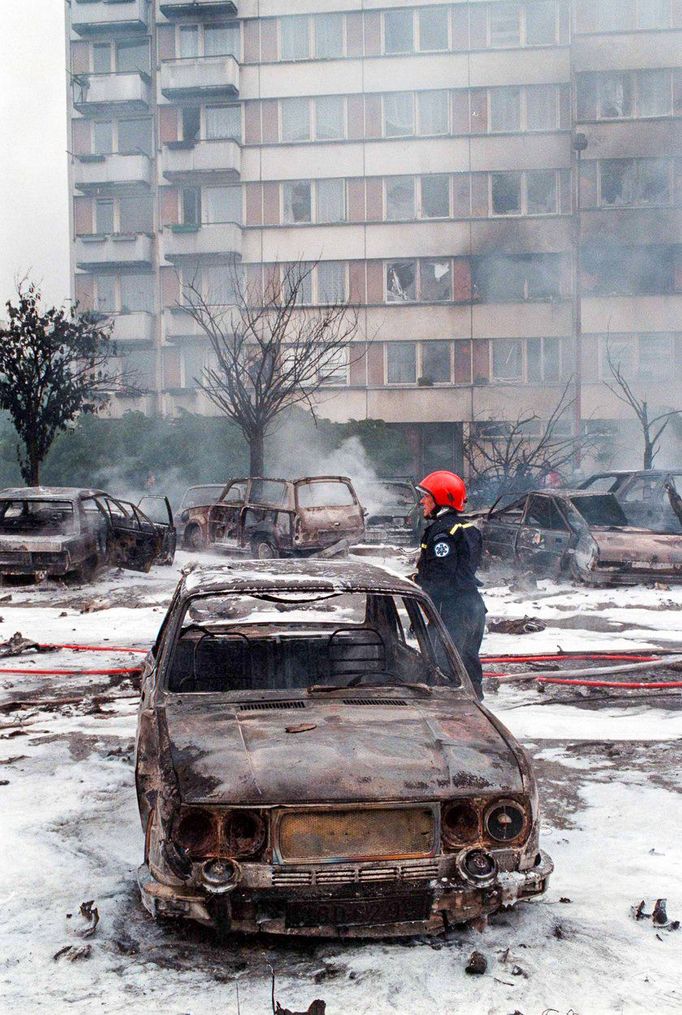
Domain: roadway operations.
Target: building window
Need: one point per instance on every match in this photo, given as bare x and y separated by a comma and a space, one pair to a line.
400, 198
105, 293
656, 355
613, 15
331, 200
330, 118
401, 362
294, 42
133, 56
543, 360
653, 93
435, 197
435, 280
432, 108
136, 214
297, 201
222, 40
329, 36
435, 362
104, 216
137, 294
101, 58
517, 278
541, 107
103, 137
541, 195
627, 271
399, 31
401, 277
190, 117
222, 204
194, 358
505, 193
433, 29
399, 114
189, 42
334, 370
621, 95
541, 23
331, 282
191, 206
632, 182
507, 359
653, 13
217, 285
135, 137
223, 122
620, 351
295, 119
505, 24
505, 109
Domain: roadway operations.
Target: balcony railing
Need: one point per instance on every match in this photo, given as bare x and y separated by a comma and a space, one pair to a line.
197, 241
137, 326
109, 172
182, 158
207, 76
175, 8
126, 15
131, 249
129, 90
179, 324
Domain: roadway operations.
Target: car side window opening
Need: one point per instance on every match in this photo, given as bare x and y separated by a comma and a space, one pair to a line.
544, 513
600, 509
324, 494
47, 517
236, 494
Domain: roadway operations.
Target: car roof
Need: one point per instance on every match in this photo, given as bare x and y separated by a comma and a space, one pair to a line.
42, 492
283, 575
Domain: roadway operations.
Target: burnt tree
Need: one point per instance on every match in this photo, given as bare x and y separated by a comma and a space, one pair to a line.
271, 350
52, 369
652, 427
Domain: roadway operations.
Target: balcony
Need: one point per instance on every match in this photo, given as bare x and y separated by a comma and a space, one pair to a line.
110, 172
176, 8
179, 325
131, 249
130, 91
198, 241
133, 327
210, 158
88, 17
200, 76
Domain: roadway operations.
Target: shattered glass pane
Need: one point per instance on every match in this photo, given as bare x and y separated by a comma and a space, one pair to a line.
400, 281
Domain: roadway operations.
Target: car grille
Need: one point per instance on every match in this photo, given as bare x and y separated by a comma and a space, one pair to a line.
360, 833
355, 875
399, 702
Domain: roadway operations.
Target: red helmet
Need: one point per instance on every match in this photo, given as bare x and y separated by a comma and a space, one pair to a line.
446, 488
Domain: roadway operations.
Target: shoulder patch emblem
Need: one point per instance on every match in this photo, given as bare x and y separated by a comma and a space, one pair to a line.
441, 549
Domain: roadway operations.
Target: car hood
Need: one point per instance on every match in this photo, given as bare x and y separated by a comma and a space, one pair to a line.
39, 544
330, 751
637, 545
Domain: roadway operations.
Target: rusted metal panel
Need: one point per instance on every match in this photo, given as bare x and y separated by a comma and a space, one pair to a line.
352, 833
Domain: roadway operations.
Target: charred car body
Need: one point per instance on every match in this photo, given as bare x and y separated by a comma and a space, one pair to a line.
58, 531
277, 517
649, 497
582, 534
392, 511
201, 496
311, 760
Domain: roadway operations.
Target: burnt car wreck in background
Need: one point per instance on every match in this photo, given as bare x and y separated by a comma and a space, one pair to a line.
651, 498
277, 517
582, 534
392, 511
311, 759
64, 531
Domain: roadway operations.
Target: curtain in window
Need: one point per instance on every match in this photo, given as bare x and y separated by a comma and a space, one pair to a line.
223, 122
399, 114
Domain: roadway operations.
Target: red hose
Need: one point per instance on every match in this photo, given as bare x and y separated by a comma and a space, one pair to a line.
571, 682
96, 648
612, 683
72, 673
631, 657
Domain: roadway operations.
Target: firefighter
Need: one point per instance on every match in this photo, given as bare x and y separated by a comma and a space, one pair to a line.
446, 569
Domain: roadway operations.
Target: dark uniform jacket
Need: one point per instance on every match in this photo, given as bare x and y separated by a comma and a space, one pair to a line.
451, 553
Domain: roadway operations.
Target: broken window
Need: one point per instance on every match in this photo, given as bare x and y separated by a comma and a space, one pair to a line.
433, 29
191, 123
507, 359
435, 196
541, 192
530, 276
401, 281
634, 181
39, 517
297, 201
331, 282
334, 370
505, 109
102, 137
331, 200
599, 509
135, 137
400, 198
191, 206
653, 93
541, 107
544, 514
628, 270
432, 108
615, 95
436, 361
295, 119
330, 117
505, 24
268, 491
328, 36
541, 23
399, 114
506, 193
223, 122
398, 31
137, 293
401, 362
436, 280
294, 38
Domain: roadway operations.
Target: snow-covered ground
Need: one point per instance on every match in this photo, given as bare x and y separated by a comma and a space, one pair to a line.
609, 772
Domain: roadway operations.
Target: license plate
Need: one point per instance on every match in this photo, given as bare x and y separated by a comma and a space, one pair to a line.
359, 912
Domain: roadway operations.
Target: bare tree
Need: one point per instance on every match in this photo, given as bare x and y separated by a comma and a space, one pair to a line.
652, 427
272, 352
508, 458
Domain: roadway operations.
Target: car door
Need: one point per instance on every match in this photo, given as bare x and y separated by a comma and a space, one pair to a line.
544, 535
133, 541
224, 517
158, 512
501, 529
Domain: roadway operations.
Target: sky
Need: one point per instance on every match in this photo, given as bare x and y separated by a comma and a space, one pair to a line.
34, 231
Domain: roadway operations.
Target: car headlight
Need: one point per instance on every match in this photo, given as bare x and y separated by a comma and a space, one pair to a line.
506, 820
243, 833
459, 823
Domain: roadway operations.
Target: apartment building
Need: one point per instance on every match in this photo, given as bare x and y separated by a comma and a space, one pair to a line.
425, 154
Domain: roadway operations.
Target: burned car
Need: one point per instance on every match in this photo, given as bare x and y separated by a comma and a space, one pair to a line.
60, 531
277, 517
649, 497
201, 496
583, 534
311, 759
392, 511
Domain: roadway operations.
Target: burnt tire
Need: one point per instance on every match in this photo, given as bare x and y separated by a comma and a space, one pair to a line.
263, 547
194, 538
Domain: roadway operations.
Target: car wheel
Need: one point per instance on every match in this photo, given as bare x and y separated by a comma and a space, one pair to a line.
263, 548
194, 538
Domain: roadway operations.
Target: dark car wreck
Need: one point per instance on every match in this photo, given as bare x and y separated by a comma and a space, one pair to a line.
392, 511
583, 534
651, 498
277, 517
59, 531
311, 759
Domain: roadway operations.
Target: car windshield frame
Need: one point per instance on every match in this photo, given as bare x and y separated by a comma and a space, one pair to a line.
41, 505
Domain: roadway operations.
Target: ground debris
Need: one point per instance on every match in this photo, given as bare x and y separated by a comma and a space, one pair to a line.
73, 953
17, 645
515, 625
94, 605
90, 914
477, 964
658, 915
316, 1008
